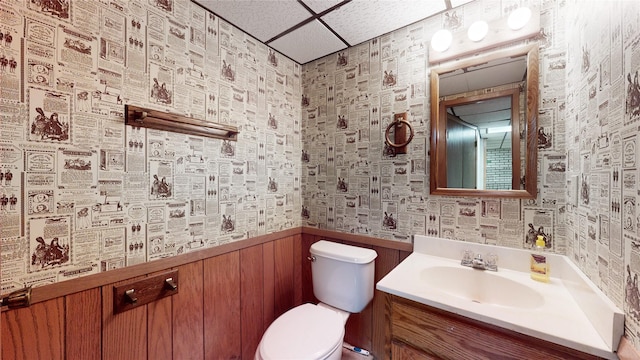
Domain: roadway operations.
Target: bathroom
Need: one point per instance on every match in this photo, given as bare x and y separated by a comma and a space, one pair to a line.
588, 58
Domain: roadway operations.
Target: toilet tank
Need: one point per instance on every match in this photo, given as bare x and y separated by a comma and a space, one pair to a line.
343, 275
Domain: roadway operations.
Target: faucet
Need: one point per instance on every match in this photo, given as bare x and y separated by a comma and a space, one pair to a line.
477, 262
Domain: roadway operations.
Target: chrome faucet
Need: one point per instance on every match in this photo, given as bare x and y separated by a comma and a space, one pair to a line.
477, 262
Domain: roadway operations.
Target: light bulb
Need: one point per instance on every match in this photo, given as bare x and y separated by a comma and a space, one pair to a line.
441, 40
478, 30
519, 18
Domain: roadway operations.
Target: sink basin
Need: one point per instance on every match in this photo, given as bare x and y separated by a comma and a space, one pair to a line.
569, 310
479, 286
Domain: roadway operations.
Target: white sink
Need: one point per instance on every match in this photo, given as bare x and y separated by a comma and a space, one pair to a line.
481, 286
569, 310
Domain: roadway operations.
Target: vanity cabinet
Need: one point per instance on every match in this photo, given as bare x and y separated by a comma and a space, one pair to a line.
419, 331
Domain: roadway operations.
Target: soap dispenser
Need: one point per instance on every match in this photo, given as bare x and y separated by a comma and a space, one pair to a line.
539, 265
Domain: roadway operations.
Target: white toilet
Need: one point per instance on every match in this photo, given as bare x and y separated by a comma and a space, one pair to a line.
343, 277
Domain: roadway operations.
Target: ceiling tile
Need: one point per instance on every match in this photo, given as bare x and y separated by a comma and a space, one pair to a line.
261, 19
308, 42
362, 20
319, 6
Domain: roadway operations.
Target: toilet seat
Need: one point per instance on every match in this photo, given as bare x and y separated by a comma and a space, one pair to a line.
304, 332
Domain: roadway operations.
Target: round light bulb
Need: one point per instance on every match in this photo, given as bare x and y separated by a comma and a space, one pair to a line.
441, 40
519, 18
478, 30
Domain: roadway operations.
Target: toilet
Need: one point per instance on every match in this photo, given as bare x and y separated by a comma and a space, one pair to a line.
343, 277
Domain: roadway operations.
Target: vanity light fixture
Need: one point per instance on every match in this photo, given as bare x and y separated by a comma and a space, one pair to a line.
154, 119
478, 30
441, 40
519, 18
522, 23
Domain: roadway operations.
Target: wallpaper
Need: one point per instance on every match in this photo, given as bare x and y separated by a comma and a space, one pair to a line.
601, 114
80, 192
353, 182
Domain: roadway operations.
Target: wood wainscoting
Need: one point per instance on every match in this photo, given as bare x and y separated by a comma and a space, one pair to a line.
228, 296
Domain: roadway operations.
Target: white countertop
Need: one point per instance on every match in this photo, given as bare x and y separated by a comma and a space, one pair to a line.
559, 318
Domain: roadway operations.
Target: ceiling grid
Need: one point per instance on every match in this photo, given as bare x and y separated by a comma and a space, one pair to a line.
306, 30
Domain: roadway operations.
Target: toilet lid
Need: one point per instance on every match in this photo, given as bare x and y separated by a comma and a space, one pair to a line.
304, 332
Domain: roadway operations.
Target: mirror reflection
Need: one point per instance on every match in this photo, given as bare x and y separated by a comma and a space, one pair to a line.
482, 109
480, 148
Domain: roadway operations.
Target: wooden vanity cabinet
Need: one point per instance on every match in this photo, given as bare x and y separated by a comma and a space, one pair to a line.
419, 331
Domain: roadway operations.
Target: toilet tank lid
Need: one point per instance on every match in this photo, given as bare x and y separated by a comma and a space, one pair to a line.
342, 252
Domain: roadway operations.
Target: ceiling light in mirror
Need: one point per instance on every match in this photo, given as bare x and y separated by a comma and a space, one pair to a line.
478, 30
441, 40
519, 18
499, 129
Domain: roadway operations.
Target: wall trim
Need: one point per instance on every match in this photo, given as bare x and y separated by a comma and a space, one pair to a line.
48, 292
63, 288
363, 239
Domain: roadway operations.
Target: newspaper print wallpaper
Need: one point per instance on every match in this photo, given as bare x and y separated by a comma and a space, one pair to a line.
589, 112
81, 193
601, 117
355, 183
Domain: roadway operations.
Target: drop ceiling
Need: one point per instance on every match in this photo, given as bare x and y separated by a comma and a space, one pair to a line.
305, 30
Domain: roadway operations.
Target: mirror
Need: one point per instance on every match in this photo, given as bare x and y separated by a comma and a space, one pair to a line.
484, 125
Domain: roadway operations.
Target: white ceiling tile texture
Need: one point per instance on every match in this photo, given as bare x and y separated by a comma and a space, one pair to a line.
300, 36
310, 42
362, 20
262, 19
319, 6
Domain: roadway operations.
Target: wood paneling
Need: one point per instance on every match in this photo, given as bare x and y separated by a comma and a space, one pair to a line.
297, 274
221, 293
124, 335
251, 290
224, 305
86, 344
268, 275
284, 278
36, 332
160, 329
188, 342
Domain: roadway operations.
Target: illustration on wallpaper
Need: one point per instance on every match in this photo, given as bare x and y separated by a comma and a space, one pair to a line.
49, 127
389, 222
160, 93
633, 96
49, 254
59, 8
160, 188
228, 225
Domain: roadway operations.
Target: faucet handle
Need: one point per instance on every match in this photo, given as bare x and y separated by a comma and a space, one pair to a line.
467, 255
492, 261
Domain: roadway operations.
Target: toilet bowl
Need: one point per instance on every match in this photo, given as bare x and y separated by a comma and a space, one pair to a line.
308, 331
342, 277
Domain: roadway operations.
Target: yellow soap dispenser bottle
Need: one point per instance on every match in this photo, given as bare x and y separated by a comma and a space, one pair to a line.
539, 265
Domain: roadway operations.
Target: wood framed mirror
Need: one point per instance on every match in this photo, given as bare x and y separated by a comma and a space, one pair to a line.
484, 125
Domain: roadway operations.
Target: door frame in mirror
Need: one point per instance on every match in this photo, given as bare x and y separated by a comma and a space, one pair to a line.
514, 98
438, 176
